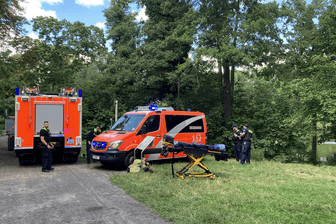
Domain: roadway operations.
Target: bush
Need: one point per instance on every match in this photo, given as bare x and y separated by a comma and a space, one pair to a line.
331, 160
257, 154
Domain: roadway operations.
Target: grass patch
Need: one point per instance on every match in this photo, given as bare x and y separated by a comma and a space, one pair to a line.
324, 150
263, 192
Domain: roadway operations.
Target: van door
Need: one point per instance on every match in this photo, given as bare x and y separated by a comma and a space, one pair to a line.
152, 128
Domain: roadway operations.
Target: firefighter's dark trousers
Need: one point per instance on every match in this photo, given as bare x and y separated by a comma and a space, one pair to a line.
46, 158
245, 152
88, 152
237, 150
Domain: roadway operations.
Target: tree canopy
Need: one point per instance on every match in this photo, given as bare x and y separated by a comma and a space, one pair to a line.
271, 65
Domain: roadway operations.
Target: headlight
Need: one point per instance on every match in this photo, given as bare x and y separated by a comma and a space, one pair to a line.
114, 145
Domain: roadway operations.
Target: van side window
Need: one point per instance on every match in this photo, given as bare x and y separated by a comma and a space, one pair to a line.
152, 123
174, 120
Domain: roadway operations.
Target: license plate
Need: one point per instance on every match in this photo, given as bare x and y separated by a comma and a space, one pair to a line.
95, 157
70, 141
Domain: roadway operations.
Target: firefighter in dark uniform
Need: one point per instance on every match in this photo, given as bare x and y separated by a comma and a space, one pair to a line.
92, 134
237, 142
47, 146
246, 138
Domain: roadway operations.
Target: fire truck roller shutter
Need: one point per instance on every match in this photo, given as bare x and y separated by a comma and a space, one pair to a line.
54, 113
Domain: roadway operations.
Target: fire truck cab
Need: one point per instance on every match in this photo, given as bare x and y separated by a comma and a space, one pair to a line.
63, 111
118, 144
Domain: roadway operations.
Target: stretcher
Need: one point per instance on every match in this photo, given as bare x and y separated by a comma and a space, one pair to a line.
196, 153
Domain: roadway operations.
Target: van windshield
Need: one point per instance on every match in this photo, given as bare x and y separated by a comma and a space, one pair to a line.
128, 122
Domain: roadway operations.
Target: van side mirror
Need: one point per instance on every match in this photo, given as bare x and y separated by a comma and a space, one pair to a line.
143, 129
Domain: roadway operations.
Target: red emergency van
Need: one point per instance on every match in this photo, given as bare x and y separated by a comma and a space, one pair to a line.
118, 144
63, 111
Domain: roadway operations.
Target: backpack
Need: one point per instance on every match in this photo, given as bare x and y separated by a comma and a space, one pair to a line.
135, 166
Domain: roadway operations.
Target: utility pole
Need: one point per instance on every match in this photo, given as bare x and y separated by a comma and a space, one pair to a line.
116, 110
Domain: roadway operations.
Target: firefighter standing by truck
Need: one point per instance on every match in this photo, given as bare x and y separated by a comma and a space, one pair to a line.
246, 138
92, 134
47, 146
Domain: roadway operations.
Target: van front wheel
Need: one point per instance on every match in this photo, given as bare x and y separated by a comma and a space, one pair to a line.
129, 159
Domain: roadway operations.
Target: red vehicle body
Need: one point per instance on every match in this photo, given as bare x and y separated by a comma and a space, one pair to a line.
63, 112
118, 144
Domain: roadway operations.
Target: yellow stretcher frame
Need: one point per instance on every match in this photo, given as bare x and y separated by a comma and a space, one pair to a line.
196, 161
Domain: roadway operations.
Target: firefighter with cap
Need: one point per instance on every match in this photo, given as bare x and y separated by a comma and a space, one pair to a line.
92, 134
246, 138
236, 141
47, 146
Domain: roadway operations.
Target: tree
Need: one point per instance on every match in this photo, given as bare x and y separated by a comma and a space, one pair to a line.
11, 19
122, 29
65, 49
167, 38
236, 33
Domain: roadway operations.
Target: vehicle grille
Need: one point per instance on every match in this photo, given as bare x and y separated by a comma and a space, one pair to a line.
99, 145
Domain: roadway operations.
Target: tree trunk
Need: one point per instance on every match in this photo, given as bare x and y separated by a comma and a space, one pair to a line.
220, 80
227, 93
314, 145
232, 81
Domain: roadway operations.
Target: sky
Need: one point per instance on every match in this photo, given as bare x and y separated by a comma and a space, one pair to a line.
89, 12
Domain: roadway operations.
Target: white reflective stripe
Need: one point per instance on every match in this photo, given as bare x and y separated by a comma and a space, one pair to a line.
78, 140
19, 148
80, 115
153, 157
173, 132
18, 142
16, 114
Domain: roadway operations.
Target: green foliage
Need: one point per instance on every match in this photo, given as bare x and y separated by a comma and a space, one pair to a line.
11, 18
60, 54
167, 37
9, 79
121, 28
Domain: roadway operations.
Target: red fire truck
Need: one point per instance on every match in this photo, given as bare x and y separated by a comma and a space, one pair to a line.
64, 113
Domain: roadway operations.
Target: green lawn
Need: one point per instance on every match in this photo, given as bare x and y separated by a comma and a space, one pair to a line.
263, 192
324, 150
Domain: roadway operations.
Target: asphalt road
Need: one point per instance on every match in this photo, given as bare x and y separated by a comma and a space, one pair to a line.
73, 193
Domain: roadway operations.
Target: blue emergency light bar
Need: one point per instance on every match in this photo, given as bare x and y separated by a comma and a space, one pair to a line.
17, 91
80, 93
153, 107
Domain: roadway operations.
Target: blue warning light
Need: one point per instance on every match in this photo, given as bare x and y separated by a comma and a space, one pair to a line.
153, 107
17, 91
80, 93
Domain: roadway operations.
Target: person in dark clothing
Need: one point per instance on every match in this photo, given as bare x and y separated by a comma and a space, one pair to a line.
91, 135
237, 142
46, 151
246, 138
